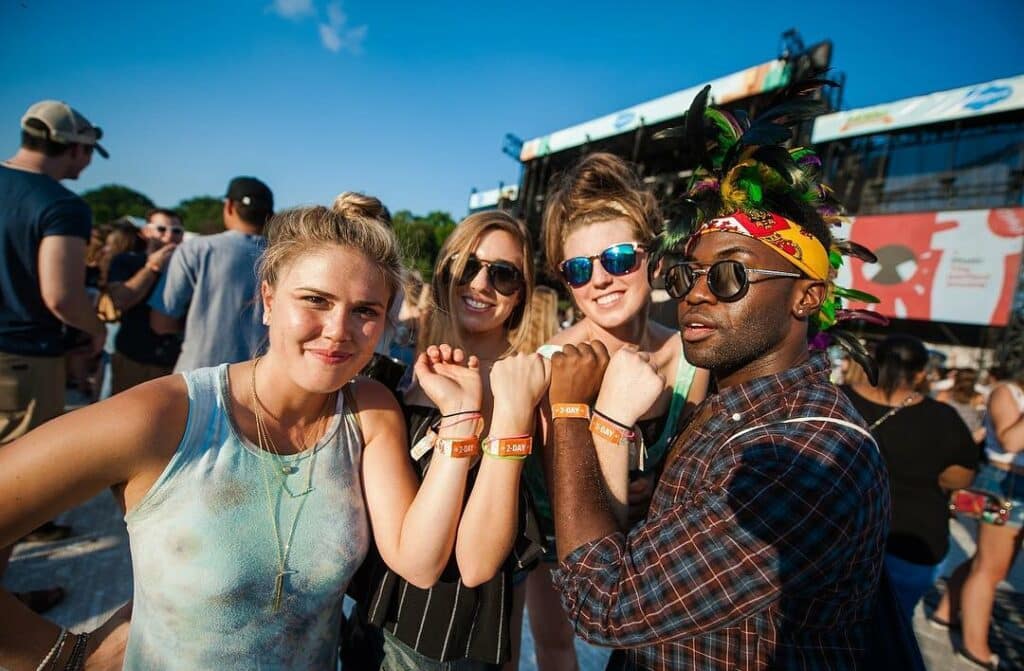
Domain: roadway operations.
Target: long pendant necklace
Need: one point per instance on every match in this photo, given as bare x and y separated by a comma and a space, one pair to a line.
283, 550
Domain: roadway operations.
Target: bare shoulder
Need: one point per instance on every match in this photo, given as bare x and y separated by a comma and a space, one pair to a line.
153, 414
376, 407
576, 333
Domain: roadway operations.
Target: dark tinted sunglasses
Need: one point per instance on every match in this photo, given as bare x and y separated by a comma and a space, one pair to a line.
503, 276
728, 280
620, 259
175, 230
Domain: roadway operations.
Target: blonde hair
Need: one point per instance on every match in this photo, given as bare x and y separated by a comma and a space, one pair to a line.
441, 327
354, 220
543, 324
600, 188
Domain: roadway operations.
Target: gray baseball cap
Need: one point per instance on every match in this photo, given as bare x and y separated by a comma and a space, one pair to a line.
64, 125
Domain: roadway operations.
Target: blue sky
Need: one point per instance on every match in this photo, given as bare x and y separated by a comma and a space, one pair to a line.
411, 101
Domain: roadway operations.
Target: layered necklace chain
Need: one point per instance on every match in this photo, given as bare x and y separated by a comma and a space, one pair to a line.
268, 451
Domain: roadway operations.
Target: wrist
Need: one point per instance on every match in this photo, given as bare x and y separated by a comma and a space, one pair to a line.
618, 414
154, 268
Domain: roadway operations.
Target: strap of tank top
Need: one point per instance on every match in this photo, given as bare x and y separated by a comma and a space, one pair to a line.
680, 390
351, 413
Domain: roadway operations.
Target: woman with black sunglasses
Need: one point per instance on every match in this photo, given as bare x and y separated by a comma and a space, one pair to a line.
596, 227
482, 287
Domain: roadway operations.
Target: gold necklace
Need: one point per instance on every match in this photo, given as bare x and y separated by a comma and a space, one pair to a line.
283, 550
285, 468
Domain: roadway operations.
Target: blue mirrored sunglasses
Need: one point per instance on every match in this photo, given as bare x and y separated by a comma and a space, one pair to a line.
620, 259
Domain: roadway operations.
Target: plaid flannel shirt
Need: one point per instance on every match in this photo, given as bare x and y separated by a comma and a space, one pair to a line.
763, 553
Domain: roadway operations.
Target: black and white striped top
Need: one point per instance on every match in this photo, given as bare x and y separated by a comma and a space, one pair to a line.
449, 621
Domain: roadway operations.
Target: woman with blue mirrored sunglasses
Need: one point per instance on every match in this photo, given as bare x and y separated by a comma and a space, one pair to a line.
597, 224
620, 259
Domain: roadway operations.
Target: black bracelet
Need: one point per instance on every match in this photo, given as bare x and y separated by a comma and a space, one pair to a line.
464, 412
613, 421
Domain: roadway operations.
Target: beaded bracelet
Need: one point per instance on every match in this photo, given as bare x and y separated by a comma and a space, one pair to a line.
54, 653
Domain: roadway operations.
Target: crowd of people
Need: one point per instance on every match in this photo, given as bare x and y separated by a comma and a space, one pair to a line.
695, 497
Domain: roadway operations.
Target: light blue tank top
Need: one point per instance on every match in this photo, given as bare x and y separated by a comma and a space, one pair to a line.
203, 549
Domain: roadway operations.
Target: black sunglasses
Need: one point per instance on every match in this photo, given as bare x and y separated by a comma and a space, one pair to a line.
503, 276
618, 260
175, 230
728, 280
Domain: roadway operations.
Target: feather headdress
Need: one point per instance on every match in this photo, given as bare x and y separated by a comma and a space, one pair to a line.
744, 166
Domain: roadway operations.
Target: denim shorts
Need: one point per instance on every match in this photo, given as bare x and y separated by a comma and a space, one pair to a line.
1005, 485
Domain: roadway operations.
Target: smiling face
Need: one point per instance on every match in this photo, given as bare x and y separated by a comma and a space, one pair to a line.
608, 300
326, 313
478, 308
755, 334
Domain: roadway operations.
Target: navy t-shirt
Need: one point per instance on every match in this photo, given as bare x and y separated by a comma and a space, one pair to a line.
32, 206
135, 339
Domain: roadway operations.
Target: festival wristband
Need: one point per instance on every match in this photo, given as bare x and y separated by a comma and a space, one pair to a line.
570, 411
514, 447
624, 427
611, 431
458, 448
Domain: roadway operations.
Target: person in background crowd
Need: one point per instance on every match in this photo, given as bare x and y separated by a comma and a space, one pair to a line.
44, 231
763, 545
928, 451
140, 354
250, 503
209, 289
967, 401
482, 285
597, 226
971, 589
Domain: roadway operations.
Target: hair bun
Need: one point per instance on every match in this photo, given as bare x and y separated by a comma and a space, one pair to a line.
352, 204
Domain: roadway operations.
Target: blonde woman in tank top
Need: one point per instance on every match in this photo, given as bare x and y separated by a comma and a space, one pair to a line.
597, 224
251, 489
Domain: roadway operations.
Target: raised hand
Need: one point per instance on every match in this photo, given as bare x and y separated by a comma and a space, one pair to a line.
631, 386
518, 382
450, 379
576, 372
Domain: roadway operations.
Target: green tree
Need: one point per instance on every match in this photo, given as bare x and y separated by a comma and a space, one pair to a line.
421, 238
111, 201
202, 214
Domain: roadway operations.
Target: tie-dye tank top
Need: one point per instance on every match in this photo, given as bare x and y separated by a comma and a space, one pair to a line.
203, 549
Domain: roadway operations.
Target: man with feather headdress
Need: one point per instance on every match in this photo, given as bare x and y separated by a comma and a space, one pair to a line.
764, 541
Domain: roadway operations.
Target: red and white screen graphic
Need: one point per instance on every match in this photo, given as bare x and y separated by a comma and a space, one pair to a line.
959, 266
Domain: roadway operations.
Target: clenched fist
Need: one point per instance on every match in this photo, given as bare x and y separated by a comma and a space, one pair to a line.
576, 373
631, 386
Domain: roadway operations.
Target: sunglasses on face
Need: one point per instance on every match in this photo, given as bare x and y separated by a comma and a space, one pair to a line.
175, 230
503, 276
618, 260
728, 280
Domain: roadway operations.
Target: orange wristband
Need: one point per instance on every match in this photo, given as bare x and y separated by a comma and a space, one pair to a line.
515, 447
570, 411
602, 428
458, 448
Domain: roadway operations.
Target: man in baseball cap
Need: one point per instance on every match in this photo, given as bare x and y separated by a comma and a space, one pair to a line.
58, 122
44, 230
210, 290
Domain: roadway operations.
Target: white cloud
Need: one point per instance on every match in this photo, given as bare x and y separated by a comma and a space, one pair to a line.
293, 9
336, 34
